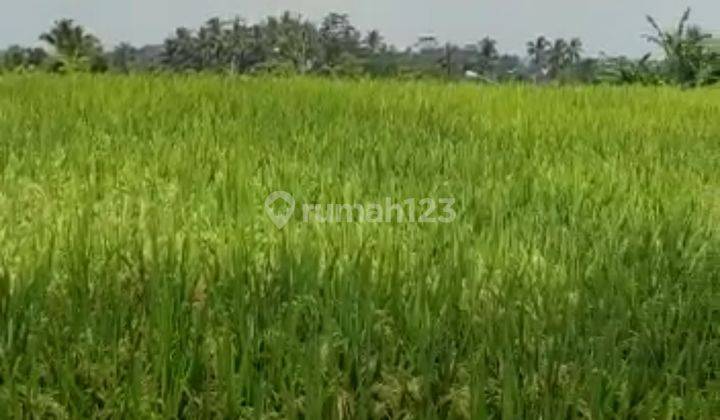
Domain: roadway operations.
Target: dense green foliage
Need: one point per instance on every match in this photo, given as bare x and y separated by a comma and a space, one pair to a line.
289, 45
140, 278
688, 59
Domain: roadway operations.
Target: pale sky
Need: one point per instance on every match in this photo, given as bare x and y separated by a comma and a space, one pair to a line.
612, 26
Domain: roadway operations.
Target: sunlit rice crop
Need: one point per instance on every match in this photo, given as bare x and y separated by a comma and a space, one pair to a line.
140, 276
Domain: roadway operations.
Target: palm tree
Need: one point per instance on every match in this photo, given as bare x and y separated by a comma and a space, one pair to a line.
558, 56
76, 48
293, 40
538, 50
210, 44
237, 38
575, 50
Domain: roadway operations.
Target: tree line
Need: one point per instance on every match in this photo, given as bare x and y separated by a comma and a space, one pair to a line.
289, 44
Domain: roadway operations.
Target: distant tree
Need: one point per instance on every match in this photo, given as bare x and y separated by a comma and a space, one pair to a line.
386, 63
574, 51
447, 62
238, 39
585, 70
557, 57
260, 44
551, 58
622, 71
339, 39
373, 42
488, 48
510, 68
76, 49
181, 52
488, 55
210, 45
294, 40
13, 58
289, 44
279, 44
687, 60
19, 58
538, 51
123, 58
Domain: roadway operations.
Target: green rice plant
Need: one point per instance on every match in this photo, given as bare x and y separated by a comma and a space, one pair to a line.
141, 278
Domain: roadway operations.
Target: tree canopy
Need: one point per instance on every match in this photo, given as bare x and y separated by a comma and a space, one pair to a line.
291, 44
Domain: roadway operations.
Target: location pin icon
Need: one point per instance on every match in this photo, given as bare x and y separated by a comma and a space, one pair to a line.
280, 219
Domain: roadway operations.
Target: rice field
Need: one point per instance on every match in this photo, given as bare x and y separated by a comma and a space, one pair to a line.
140, 276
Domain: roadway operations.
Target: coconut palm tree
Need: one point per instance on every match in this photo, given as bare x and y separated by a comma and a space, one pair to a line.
538, 50
558, 56
237, 38
210, 44
293, 40
574, 50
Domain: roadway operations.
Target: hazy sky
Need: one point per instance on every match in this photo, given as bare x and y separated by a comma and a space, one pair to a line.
612, 26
